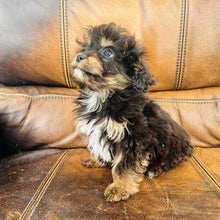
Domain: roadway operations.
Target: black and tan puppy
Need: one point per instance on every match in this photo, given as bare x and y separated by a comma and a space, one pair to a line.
127, 129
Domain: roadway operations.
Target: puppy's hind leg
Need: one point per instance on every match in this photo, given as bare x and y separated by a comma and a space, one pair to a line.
93, 162
125, 182
154, 172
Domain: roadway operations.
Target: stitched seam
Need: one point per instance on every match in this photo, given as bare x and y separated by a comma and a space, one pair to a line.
43, 187
179, 46
181, 53
33, 97
64, 41
37, 96
185, 43
186, 101
206, 172
67, 43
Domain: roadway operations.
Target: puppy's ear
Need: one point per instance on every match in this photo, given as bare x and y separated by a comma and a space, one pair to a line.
137, 70
142, 78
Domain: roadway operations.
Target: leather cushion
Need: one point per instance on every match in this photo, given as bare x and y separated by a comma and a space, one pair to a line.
55, 185
39, 40
34, 117
196, 110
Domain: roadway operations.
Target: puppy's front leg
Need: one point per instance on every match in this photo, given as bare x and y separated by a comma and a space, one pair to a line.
125, 183
92, 162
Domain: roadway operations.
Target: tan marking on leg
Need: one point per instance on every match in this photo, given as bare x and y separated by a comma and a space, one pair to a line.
92, 162
123, 185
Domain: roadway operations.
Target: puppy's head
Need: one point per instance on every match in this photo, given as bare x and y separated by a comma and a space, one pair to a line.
110, 59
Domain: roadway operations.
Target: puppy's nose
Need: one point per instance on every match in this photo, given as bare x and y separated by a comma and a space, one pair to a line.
80, 57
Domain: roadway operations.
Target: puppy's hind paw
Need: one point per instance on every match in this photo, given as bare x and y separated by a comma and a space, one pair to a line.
114, 193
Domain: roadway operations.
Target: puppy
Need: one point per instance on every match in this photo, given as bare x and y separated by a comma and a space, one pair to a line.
127, 130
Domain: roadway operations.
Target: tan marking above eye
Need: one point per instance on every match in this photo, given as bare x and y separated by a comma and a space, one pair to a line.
87, 40
106, 42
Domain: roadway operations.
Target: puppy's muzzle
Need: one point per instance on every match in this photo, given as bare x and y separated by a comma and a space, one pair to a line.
78, 59
87, 63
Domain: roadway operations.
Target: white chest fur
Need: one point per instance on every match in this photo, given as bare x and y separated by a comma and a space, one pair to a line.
98, 145
95, 128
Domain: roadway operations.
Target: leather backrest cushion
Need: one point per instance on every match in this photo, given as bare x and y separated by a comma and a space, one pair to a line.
30, 44
37, 39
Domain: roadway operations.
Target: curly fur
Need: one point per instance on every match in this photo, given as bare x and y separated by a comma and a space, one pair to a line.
127, 129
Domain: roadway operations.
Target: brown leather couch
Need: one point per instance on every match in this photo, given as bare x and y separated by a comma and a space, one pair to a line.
37, 45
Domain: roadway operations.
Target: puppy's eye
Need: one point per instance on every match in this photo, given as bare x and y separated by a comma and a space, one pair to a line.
107, 52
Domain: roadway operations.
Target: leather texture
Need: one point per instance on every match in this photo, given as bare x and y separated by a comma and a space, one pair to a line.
37, 50
39, 117
38, 43
196, 110
54, 185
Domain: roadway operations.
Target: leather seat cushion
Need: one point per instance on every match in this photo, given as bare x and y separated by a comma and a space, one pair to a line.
51, 184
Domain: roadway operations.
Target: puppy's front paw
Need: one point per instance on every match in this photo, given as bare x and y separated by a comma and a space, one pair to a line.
114, 193
92, 162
